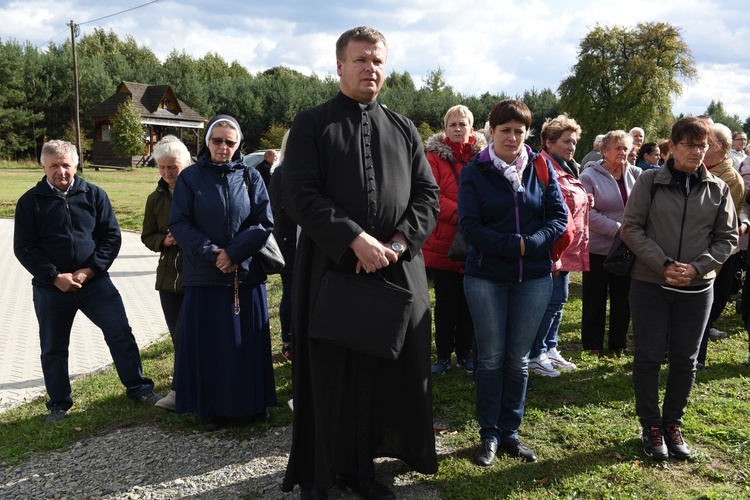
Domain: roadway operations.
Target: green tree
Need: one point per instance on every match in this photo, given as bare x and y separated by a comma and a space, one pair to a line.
626, 77
542, 104
17, 118
425, 131
271, 138
719, 115
127, 131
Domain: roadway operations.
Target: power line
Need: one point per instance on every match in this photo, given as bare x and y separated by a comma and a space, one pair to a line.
99, 19
118, 13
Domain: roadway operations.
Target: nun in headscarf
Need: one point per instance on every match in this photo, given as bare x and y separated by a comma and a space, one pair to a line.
221, 218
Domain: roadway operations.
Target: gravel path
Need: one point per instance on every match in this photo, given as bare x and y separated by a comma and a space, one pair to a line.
149, 463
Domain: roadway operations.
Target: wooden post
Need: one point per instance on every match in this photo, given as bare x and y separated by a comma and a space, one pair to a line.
73, 34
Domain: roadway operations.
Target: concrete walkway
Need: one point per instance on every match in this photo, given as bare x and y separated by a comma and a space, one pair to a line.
133, 273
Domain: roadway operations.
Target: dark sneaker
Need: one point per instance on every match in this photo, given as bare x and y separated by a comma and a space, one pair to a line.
467, 364
286, 351
149, 399
675, 445
516, 448
653, 443
442, 366
485, 455
55, 416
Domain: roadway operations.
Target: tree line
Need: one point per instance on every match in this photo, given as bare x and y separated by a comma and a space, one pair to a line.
624, 77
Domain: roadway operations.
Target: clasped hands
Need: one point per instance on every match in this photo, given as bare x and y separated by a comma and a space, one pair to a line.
679, 274
373, 254
71, 282
223, 262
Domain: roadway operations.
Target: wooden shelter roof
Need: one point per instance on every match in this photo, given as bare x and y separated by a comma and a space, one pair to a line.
152, 101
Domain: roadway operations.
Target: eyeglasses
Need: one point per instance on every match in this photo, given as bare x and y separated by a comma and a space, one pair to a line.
217, 142
691, 146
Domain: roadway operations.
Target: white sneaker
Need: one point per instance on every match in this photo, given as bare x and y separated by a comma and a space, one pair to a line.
716, 333
167, 402
557, 361
291, 404
542, 366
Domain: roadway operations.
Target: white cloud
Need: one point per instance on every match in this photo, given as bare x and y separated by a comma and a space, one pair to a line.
483, 45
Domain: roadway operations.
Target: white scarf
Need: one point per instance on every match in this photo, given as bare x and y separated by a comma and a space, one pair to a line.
512, 171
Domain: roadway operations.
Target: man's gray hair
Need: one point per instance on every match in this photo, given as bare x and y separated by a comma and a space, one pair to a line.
722, 135
56, 147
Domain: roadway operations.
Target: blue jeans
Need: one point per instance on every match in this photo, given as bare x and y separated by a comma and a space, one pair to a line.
100, 301
506, 318
546, 336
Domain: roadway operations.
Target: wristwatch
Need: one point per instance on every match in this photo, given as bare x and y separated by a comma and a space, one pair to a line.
398, 247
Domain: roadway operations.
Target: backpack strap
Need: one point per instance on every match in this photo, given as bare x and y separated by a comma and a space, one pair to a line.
540, 165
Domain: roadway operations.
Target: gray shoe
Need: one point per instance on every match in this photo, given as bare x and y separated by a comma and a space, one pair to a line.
149, 399
56, 416
715, 333
167, 402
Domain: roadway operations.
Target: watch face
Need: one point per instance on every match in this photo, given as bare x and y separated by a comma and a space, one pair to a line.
397, 246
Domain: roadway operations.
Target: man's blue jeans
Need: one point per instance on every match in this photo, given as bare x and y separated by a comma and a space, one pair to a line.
506, 318
100, 301
546, 336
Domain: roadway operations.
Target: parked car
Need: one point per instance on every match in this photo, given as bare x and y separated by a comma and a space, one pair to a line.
254, 158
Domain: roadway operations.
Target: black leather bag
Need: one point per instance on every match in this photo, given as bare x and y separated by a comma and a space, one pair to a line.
620, 259
362, 312
458, 250
270, 256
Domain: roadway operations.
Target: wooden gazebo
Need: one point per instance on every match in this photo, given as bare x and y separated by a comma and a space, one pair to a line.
161, 112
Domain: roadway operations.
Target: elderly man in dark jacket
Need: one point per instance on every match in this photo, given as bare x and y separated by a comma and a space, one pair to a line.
67, 236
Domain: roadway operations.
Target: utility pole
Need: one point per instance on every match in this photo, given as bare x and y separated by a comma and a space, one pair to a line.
74, 31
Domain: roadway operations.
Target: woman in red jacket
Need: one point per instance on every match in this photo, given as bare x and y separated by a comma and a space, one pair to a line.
447, 153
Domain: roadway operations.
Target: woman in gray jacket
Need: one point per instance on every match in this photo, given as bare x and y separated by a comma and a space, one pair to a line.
681, 224
610, 182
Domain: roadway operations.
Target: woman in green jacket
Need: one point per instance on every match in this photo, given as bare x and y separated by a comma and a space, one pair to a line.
171, 156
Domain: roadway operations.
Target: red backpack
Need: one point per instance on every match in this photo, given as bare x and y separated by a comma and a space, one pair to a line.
564, 241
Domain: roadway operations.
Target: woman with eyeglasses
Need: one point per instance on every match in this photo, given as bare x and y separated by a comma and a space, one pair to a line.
221, 217
610, 181
680, 223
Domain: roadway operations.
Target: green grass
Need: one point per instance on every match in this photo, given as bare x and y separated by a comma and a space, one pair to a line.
582, 424
127, 189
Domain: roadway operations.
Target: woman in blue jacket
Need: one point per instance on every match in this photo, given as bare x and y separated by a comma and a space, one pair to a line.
221, 218
509, 218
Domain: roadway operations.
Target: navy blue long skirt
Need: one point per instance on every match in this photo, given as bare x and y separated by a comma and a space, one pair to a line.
225, 368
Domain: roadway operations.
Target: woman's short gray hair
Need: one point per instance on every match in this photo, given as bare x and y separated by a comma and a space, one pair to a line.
615, 136
171, 147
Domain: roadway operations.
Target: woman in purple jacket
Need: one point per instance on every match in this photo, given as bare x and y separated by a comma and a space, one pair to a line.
509, 218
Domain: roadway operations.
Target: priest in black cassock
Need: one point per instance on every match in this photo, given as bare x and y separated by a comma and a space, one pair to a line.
357, 182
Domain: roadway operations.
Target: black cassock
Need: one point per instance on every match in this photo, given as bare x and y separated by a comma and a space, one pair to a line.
350, 168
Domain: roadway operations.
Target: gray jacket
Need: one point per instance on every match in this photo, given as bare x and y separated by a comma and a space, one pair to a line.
606, 216
699, 228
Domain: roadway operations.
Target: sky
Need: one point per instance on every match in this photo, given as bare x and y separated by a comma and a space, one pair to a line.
482, 45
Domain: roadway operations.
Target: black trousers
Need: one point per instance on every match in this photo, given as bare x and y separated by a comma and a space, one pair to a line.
722, 291
597, 284
171, 305
454, 328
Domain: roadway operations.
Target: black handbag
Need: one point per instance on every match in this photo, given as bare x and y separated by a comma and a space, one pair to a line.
362, 312
620, 259
458, 250
271, 260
